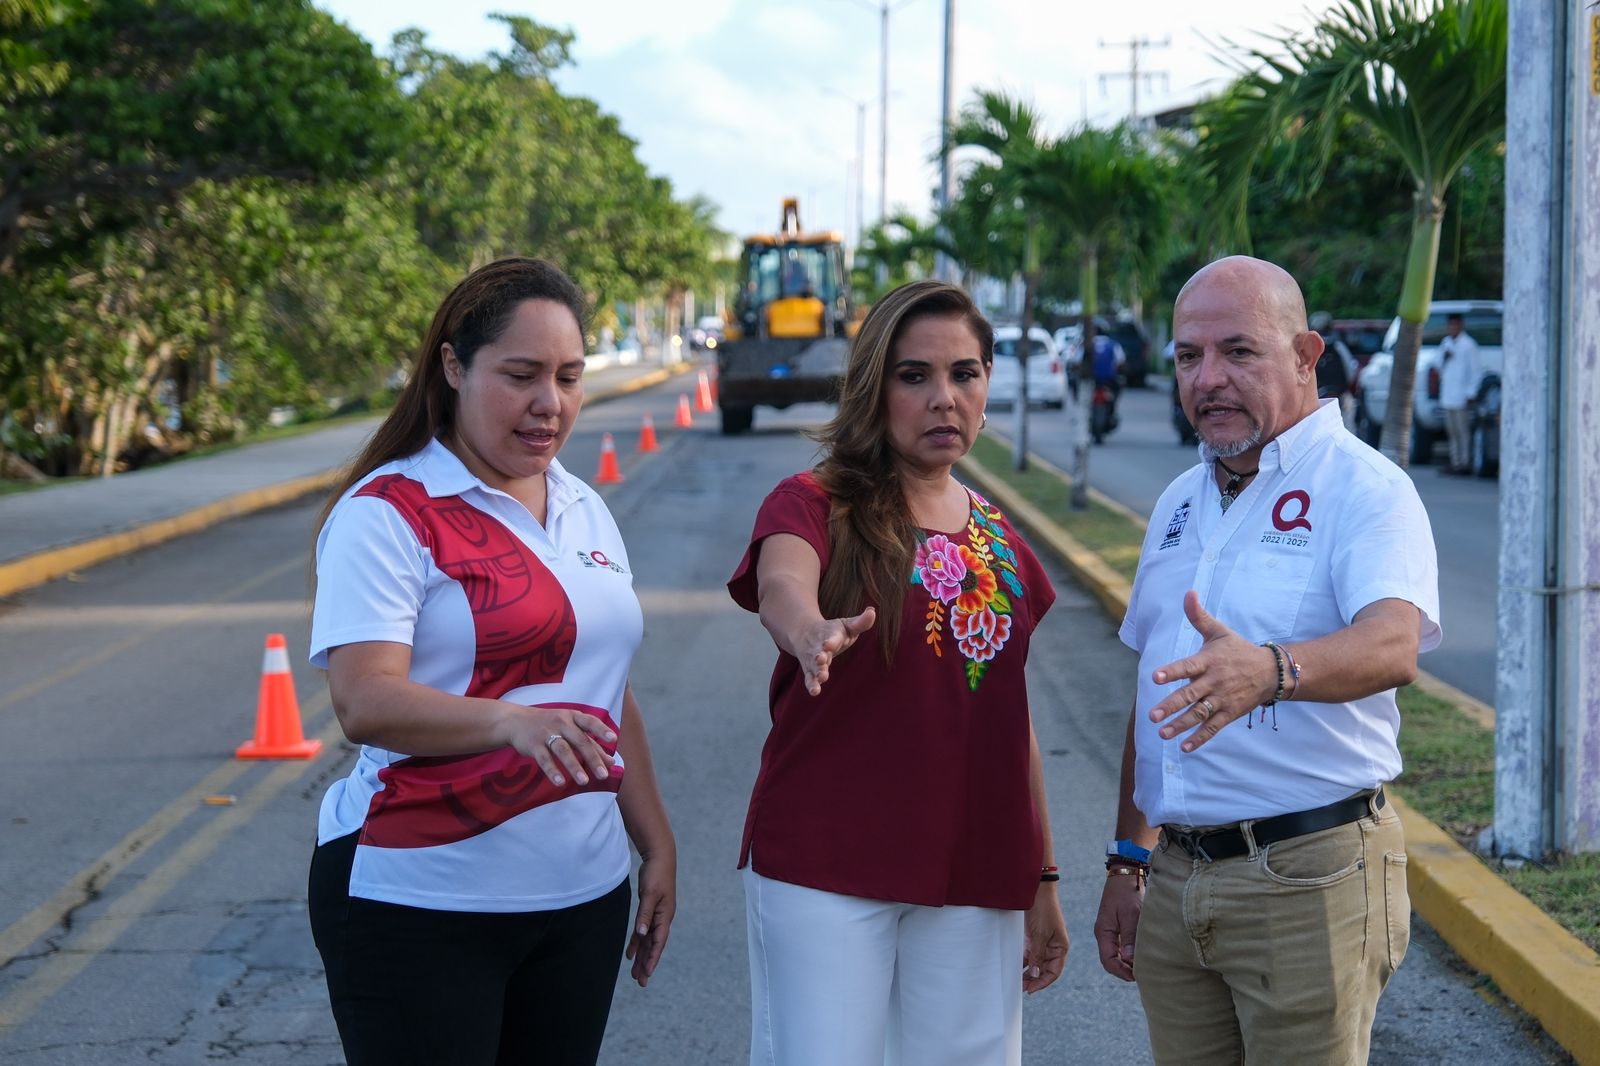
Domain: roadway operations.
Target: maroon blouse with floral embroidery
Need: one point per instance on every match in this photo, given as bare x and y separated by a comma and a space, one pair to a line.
910, 782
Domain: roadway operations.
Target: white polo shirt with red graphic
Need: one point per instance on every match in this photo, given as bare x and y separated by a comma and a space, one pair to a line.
493, 605
1326, 528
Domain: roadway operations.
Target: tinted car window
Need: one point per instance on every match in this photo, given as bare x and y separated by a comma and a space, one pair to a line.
1481, 326
1008, 348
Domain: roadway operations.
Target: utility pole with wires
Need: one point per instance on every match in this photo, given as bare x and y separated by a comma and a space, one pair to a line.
1134, 74
884, 9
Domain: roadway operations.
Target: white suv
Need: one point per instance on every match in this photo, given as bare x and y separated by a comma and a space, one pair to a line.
1481, 321
1047, 378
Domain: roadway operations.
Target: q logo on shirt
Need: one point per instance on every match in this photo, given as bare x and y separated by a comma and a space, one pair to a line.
1286, 525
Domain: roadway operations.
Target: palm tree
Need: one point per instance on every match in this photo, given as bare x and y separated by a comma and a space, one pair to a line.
977, 230
898, 249
1427, 76
1010, 130
1101, 186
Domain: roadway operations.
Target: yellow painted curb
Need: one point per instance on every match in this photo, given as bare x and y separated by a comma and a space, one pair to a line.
1104, 583
1470, 706
1540, 966
41, 567
1543, 968
48, 565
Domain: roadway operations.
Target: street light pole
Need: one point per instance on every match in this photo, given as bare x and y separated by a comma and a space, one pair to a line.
944, 267
883, 114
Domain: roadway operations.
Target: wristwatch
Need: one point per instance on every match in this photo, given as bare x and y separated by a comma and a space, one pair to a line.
1127, 849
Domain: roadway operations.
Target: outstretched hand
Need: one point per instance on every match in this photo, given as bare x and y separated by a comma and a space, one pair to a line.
1229, 677
826, 641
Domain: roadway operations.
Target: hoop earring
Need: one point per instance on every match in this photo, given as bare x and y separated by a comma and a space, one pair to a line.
984, 421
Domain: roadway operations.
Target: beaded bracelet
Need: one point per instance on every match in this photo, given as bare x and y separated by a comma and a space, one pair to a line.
1277, 657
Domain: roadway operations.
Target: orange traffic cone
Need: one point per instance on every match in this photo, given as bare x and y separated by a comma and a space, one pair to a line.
702, 394
714, 393
609, 473
647, 436
278, 734
684, 419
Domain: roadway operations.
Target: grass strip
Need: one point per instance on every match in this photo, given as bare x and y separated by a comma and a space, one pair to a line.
1449, 756
1100, 529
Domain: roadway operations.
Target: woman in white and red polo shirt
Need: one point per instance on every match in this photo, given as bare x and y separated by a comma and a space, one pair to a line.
900, 893
475, 612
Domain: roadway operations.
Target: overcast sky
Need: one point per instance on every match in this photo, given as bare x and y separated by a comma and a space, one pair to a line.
748, 101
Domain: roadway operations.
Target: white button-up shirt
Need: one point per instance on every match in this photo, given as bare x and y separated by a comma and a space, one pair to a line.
1458, 371
1325, 529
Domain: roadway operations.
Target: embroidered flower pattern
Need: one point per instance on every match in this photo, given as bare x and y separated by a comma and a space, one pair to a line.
973, 585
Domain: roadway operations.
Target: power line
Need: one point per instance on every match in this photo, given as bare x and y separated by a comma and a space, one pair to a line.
1134, 74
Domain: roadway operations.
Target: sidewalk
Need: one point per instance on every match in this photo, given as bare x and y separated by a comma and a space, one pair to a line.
50, 532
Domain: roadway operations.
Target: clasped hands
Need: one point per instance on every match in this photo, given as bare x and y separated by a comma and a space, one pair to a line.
1229, 677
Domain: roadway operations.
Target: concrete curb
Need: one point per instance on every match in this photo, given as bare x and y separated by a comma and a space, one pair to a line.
1540, 966
41, 567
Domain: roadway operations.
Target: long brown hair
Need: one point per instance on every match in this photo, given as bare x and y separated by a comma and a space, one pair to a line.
477, 312
871, 530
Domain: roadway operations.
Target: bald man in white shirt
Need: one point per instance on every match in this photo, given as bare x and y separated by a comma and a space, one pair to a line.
1287, 583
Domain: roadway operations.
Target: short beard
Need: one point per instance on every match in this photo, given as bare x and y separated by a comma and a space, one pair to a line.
1209, 451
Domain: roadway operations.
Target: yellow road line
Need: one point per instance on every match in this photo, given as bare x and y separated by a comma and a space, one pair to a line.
16, 937
194, 613
101, 934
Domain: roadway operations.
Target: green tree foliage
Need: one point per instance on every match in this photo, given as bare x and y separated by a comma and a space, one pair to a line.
161, 93
503, 162
1427, 78
901, 247
214, 208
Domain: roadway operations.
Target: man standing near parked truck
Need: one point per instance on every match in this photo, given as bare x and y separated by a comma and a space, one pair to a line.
1459, 373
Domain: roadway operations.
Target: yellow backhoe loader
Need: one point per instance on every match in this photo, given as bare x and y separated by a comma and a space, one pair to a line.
792, 320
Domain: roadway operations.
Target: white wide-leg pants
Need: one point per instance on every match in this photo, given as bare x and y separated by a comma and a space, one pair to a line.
845, 981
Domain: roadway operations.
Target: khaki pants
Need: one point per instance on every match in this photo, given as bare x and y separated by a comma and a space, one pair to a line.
1278, 956
1458, 427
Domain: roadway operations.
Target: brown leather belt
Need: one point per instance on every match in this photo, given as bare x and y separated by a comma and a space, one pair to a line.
1229, 843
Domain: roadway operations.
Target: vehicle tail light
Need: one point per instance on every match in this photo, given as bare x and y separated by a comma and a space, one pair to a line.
1102, 394
1055, 366
1433, 383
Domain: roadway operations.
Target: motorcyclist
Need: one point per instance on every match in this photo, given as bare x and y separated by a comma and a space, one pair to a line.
1106, 361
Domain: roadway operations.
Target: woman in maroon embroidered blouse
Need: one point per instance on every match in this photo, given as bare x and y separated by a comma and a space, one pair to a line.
899, 883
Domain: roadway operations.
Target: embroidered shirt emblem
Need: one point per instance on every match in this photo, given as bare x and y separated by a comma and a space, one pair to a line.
1180, 518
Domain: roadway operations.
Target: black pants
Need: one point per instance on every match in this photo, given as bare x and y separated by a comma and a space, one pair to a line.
453, 988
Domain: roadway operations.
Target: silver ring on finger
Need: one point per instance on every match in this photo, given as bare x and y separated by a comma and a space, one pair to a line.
1205, 708
550, 741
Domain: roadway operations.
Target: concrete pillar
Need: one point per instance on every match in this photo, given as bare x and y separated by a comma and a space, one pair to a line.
1578, 828
1547, 765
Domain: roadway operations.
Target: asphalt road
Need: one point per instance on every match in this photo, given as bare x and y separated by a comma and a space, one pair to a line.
140, 923
1138, 460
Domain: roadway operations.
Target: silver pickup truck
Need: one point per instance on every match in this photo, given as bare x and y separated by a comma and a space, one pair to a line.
1481, 321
